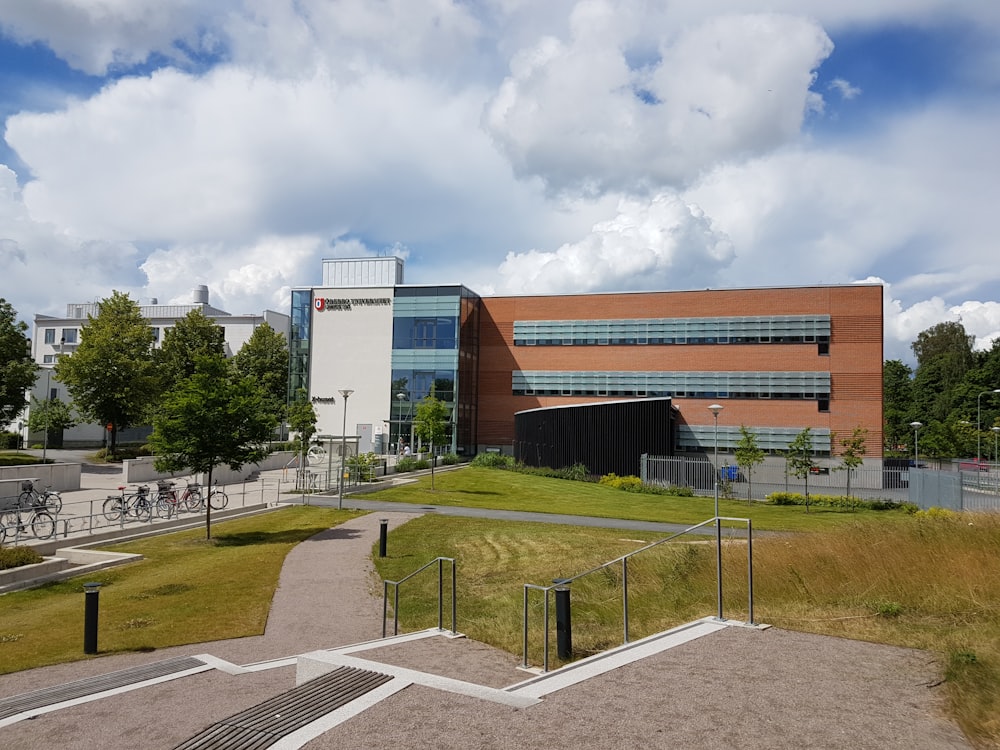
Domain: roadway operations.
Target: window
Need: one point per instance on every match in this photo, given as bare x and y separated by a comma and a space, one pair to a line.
48, 359
823, 348
50, 335
69, 335
156, 334
823, 405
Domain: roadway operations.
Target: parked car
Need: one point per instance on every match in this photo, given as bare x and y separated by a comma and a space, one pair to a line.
971, 464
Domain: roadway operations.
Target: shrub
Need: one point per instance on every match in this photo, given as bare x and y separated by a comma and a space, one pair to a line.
405, 464
837, 501
15, 557
629, 483
9, 440
494, 461
449, 459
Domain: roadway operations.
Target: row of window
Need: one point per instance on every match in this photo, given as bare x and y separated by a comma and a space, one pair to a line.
701, 437
778, 329
71, 335
439, 332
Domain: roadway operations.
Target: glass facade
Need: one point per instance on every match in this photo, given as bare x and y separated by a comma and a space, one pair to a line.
298, 344
435, 343
744, 385
774, 329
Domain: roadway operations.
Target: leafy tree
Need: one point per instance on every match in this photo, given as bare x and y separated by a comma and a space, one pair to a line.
213, 417
852, 455
799, 458
897, 404
748, 456
50, 415
431, 424
193, 336
17, 370
264, 357
302, 420
111, 375
945, 341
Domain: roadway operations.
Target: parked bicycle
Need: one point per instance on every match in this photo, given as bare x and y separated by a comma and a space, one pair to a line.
14, 523
138, 505
168, 502
49, 500
195, 500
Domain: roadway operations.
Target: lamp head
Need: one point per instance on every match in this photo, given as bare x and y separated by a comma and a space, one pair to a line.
916, 425
715, 408
345, 392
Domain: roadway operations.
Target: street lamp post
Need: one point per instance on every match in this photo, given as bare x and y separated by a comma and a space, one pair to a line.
715, 409
345, 392
399, 435
48, 411
996, 434
979, 417
916, 450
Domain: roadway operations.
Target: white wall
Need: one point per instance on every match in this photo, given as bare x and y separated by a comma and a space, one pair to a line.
352, 348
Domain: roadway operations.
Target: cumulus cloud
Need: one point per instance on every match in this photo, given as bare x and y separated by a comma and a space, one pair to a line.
579, 116
661, 244
845, 89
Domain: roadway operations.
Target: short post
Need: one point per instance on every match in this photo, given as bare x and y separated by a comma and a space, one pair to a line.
564, 626
382, 535
91, 603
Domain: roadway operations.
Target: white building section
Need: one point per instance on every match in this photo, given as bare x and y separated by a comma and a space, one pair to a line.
54, 337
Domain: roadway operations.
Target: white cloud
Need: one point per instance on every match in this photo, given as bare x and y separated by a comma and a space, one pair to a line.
660, 244
845, 89
576, 114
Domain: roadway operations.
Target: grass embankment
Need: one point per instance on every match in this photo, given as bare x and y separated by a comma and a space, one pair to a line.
924, 582
187, 590
474, 487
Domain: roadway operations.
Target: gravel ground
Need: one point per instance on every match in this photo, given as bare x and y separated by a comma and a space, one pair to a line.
735, 688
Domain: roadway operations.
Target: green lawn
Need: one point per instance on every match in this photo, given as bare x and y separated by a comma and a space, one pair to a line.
474, 487
186, 590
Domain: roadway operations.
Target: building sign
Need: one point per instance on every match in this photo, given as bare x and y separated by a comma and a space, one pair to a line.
327, 303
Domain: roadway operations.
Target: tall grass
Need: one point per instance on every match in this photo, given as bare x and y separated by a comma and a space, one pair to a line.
930, 583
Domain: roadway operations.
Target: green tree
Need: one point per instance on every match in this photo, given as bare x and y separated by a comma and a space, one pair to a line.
212, 418
944, 359
748, 456
799, 458
852, 455
897, 405
111, 375
193, 336
302, 420
264, 357
431, 424
17, 371
50, 415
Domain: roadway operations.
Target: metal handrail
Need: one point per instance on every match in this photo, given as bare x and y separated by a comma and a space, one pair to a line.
625, 606
395, 603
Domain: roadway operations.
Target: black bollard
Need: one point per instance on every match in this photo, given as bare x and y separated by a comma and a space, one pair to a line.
91, 602
382, 535
564, 627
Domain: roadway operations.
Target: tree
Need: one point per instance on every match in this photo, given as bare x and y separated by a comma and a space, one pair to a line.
945, 341
853, 454
111, 375
264, 357
213, 417
51, 414
193, 336
431, 424
302, 420
800, 458
748, 455
897, 404
17, 371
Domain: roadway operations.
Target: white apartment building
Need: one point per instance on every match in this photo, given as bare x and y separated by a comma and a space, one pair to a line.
55, 336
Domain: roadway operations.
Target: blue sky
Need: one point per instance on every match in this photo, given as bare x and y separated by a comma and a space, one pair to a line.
566, 146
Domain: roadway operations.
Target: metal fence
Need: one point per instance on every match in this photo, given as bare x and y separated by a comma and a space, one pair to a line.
925, 487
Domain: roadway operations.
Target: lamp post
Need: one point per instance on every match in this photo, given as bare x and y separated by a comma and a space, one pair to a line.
715, 409
916, 450
345, 392
399, 435
48, 412
979, 417
996, 434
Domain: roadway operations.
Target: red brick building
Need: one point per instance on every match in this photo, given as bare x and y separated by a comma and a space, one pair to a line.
778, 360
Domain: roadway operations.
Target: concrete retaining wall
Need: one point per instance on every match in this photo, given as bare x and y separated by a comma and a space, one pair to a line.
59, 477
138, 470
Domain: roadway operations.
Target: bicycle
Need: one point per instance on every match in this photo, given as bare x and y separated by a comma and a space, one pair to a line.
191, 498
49, 500
167, 502
13, 523
218, 499
120, 507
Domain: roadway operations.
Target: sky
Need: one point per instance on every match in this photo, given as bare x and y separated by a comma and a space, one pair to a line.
514, 146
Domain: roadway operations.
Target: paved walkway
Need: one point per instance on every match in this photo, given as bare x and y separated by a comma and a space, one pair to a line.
735, 688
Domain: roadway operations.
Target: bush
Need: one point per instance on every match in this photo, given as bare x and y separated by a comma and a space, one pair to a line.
837, 501
21, 459
449, 459
9, 441
405, 464
15, 557
629, 483
494, 461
